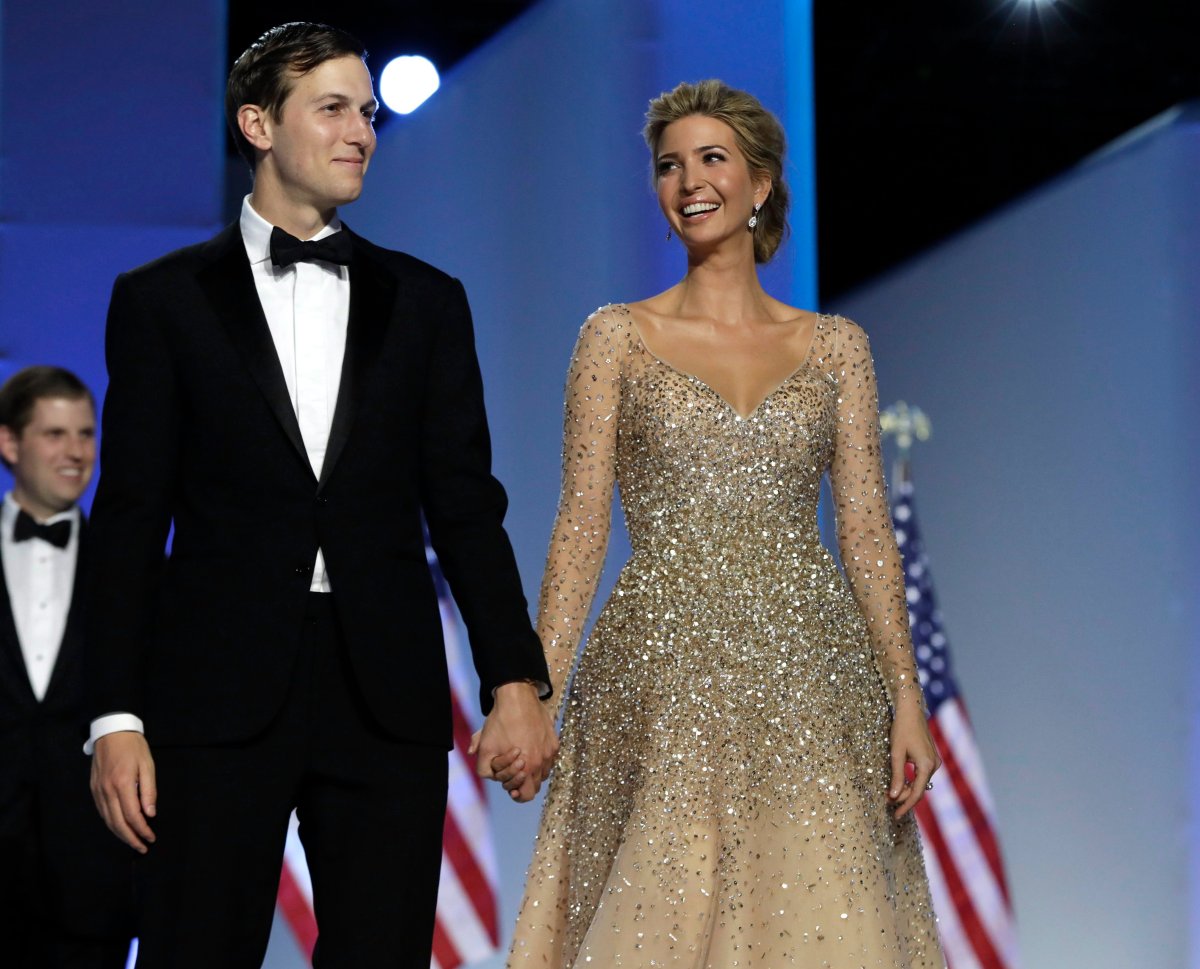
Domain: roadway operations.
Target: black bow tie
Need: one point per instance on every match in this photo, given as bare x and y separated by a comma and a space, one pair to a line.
26, 528
287, 249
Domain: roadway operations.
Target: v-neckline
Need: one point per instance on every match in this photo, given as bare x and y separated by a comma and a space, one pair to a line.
699, 381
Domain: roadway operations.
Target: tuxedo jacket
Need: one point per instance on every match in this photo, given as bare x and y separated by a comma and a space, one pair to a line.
46, 809
199, 434
56, 726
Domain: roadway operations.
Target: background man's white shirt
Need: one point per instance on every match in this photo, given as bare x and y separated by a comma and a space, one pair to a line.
41, 580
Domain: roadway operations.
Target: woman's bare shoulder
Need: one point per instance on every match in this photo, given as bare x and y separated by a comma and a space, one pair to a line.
655, 310
782, 312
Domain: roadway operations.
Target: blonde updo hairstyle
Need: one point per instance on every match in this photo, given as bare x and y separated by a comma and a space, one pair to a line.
759, 137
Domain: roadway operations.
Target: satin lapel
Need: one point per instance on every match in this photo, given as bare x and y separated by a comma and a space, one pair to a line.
10, 647
229, 285
372, 305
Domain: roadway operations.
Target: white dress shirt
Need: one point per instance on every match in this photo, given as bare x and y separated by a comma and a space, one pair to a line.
307, 306
40, 579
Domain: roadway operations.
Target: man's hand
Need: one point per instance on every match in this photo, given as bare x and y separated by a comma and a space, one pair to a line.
123, 786
519, 729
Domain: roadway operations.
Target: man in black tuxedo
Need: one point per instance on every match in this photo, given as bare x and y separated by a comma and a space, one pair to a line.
66, 888
291, 408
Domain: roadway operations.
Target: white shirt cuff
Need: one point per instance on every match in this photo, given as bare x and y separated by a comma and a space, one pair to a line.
112, 723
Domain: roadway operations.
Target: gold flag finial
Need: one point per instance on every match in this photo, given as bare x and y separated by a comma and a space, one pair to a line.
904, 423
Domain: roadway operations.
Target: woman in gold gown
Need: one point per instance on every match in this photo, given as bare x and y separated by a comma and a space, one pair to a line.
731, 786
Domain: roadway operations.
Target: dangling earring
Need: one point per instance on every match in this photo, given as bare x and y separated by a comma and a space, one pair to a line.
754, 218
668, 233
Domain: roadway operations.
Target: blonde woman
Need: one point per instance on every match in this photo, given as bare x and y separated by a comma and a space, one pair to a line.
744, 738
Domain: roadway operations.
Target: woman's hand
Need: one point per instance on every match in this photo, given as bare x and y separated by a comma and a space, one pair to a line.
911, 744
507, 768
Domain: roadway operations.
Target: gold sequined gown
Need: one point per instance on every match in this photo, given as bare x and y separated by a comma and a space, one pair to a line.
720, 796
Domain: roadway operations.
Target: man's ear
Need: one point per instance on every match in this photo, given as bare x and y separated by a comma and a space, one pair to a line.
9, 444
255, 126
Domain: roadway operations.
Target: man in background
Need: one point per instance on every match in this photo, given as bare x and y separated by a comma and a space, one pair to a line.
65, 882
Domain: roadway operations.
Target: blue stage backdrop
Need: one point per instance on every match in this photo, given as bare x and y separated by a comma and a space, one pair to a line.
1056, 348
111, 153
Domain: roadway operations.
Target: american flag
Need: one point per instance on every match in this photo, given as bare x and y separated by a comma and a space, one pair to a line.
467, 927
957, 818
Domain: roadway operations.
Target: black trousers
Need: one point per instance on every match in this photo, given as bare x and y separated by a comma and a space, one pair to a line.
371, 812
66, 883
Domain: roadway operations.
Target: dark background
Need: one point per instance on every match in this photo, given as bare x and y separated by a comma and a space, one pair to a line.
930, 113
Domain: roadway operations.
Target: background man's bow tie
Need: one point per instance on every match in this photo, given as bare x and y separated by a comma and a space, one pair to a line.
287, 249
26, 528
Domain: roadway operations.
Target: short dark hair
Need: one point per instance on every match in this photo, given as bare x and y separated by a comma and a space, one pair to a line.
264, 73
20, 393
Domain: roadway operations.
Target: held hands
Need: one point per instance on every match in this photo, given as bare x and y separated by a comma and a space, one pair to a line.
517, 744
123, 787
911, 744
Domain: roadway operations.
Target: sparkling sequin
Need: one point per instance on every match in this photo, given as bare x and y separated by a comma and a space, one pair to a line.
720, 795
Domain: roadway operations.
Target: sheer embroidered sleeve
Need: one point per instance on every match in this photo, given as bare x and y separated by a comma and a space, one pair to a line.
581, 525
864, 526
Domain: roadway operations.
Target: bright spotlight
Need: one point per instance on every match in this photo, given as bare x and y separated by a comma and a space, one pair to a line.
407, 82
